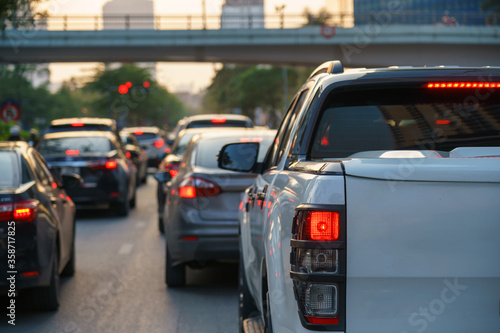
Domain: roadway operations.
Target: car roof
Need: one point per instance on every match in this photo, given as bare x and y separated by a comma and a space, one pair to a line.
228, 116
150, 129
76, 134
13, 145
85, 120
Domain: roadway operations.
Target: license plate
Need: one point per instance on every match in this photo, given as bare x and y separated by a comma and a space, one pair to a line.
70, 170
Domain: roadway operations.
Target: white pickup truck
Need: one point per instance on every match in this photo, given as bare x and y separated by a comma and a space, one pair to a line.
377, 209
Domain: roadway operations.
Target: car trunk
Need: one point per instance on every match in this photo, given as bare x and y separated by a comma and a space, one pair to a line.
422, 244
223, 206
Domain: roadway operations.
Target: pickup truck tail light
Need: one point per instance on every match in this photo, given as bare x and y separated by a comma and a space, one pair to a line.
318, 266
193, 187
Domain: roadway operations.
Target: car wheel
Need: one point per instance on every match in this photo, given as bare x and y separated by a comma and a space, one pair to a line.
47, 298
175, 276
123, 208
69, 269
247, 308
268, 327
133, 200
161, 226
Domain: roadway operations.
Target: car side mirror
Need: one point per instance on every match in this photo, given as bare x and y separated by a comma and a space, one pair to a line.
71, 181
239, 156
163, 177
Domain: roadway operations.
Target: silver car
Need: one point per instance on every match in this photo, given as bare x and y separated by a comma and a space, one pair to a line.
201, 211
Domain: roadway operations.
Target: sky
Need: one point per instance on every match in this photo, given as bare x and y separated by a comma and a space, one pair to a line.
175, 76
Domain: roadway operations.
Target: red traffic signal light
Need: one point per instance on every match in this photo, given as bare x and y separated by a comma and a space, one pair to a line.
146, 84
123, 89
128, 84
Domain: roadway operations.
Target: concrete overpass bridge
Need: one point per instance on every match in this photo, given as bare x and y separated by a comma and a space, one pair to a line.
373, 45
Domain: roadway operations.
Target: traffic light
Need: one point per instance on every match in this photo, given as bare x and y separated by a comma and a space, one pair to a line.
123, 88
146, 84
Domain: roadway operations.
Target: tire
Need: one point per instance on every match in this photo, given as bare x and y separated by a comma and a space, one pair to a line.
161, 226
268, 327
247, 308
133, 200
123, 208
69, 269
175, 276
47, 298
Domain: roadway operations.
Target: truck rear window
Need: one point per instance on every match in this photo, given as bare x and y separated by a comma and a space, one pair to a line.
353, 124
227, 123
84, 127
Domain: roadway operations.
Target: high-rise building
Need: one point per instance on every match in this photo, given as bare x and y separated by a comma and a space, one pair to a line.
242, 14
463, 12
128, 14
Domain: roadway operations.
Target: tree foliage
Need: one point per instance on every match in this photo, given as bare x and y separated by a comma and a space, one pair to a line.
19, 13
250, 87
140, 106
320, 18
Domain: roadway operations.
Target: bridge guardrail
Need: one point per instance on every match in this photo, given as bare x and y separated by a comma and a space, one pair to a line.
268, 21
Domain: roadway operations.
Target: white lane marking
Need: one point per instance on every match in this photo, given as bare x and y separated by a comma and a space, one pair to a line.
126, 249
140, 224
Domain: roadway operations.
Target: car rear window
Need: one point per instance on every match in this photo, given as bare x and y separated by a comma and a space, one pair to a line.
9, 169
145, 136
209, 148
75, 146
226, 123
353, 124
84, 127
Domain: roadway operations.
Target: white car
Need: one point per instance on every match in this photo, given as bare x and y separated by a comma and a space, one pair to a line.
376, 209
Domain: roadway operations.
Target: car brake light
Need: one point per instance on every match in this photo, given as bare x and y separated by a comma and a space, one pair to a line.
77, 124
167, 150
193, 187
72, 152
442, 122
25, 210
104, 165
318, 265
128, 155
111, 164
172, 168
159, 143
138, 132
463, 85
218, 120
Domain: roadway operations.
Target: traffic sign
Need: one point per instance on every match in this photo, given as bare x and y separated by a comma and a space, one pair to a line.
327, 31
10, 111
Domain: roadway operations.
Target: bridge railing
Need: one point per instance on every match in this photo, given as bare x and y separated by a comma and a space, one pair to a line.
268, 21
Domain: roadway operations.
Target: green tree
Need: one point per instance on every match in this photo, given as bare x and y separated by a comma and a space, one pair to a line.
154, 105
19, 13
320, 18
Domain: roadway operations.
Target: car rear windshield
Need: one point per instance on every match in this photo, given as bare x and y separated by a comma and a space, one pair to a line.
366, 123
9, 169
146, 136
217, 123
209, 148
75, 146
79, 127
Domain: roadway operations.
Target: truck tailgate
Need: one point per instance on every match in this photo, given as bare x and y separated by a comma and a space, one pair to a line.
422, 250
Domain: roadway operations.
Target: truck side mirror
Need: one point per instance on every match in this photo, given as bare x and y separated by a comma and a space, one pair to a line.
239, 156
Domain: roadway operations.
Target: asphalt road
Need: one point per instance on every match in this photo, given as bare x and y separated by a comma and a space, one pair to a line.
119, 283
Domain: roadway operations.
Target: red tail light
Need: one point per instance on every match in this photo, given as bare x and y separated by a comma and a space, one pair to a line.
71, 152
318, 265
25, 210
159, 143
104, 165
6, 212
77, 124
193, 187
172, 168
128, 155
218, 120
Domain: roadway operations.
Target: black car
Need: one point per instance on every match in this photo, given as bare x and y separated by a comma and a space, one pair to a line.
109, 177
37, 225
137, 154
153, 140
